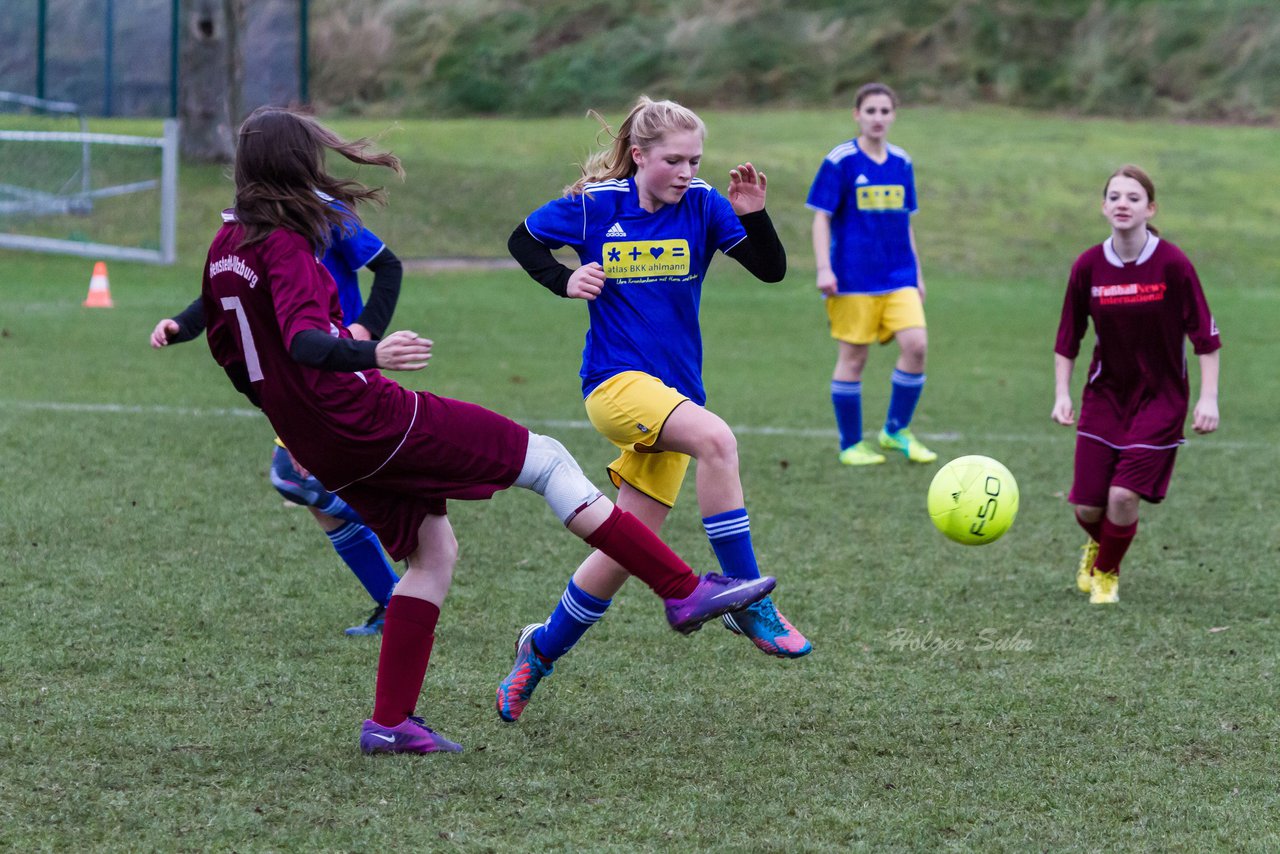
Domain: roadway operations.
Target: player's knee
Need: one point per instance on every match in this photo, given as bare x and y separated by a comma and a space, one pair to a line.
1122, 499
718, 445
552, 472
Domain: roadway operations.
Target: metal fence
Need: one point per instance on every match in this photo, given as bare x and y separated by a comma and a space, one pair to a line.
120, 57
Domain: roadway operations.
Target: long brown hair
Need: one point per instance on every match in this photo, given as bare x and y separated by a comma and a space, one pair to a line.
647, 123
280, 174
1138, 174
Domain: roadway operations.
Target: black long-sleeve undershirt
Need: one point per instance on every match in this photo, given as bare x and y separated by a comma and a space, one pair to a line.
384, 292
190, 322
761, 253
322, 351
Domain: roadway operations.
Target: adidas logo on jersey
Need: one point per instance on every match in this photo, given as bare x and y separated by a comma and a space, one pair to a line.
615, 230
862, 179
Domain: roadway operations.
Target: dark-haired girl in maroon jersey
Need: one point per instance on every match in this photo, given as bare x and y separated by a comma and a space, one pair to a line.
396, 456
1144, 298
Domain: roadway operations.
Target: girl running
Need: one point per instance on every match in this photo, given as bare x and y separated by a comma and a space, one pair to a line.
645, 229
1144, 298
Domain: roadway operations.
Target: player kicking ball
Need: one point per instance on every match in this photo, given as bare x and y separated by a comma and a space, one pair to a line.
396, 456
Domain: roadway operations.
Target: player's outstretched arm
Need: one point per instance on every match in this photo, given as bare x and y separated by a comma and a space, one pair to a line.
184, 326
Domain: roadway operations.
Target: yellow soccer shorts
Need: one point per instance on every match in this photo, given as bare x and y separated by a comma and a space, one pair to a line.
867, 318
629, 409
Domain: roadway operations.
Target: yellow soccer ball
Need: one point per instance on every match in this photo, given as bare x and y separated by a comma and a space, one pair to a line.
973, 500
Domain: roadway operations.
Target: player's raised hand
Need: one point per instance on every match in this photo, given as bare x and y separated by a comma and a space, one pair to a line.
586, 282
403, 351
746, 189
1063, 412
164, 330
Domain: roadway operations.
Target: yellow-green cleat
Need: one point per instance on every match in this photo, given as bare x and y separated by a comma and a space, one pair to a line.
861, 454
1084, 573
1105, 589
908, 444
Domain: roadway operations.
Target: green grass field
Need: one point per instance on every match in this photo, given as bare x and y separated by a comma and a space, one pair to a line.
173, 674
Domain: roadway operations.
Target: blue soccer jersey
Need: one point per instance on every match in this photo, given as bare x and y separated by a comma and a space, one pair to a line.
347, 253
870, 205
646, 317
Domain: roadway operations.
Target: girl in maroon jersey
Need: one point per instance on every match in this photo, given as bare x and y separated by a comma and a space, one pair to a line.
394, 455
1144, 298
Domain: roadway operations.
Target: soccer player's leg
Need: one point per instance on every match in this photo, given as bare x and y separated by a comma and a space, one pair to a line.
700, 433
903, 319
351, 539
1090, 519
407, 640
690, 600
1140, 473
583, 603
846, 315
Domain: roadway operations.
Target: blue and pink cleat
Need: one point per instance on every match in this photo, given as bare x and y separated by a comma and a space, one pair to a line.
771, 632
514, 691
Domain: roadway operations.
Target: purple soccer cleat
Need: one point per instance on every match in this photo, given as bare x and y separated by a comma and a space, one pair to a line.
715, 595
410, 736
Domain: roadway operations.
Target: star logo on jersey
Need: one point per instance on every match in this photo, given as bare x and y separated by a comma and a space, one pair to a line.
615, 230
646, 259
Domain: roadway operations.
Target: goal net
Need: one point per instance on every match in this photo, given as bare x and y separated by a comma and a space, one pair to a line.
65, 189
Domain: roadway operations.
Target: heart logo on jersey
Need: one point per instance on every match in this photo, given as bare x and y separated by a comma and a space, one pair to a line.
656, 251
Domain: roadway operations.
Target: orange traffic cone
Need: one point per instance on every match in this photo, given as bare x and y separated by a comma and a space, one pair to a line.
99, 288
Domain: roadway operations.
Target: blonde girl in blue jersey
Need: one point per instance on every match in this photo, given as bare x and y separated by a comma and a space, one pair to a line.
645, 228
869, 274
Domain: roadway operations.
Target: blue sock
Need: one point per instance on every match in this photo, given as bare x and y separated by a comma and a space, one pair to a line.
577, 611
730, 535
332, 505
846, 398
903, 400
361, 551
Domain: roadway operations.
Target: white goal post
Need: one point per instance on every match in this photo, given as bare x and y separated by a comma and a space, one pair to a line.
86, 179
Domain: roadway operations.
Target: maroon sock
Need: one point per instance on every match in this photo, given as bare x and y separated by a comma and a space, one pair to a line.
408, 631
1112, 545
1093, 529
638, 550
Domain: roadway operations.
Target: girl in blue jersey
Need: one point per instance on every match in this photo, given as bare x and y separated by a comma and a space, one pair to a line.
863, 197
645, 228
349, 249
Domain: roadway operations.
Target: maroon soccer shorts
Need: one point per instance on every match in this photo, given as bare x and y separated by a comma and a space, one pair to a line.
453, 450
1099, 467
